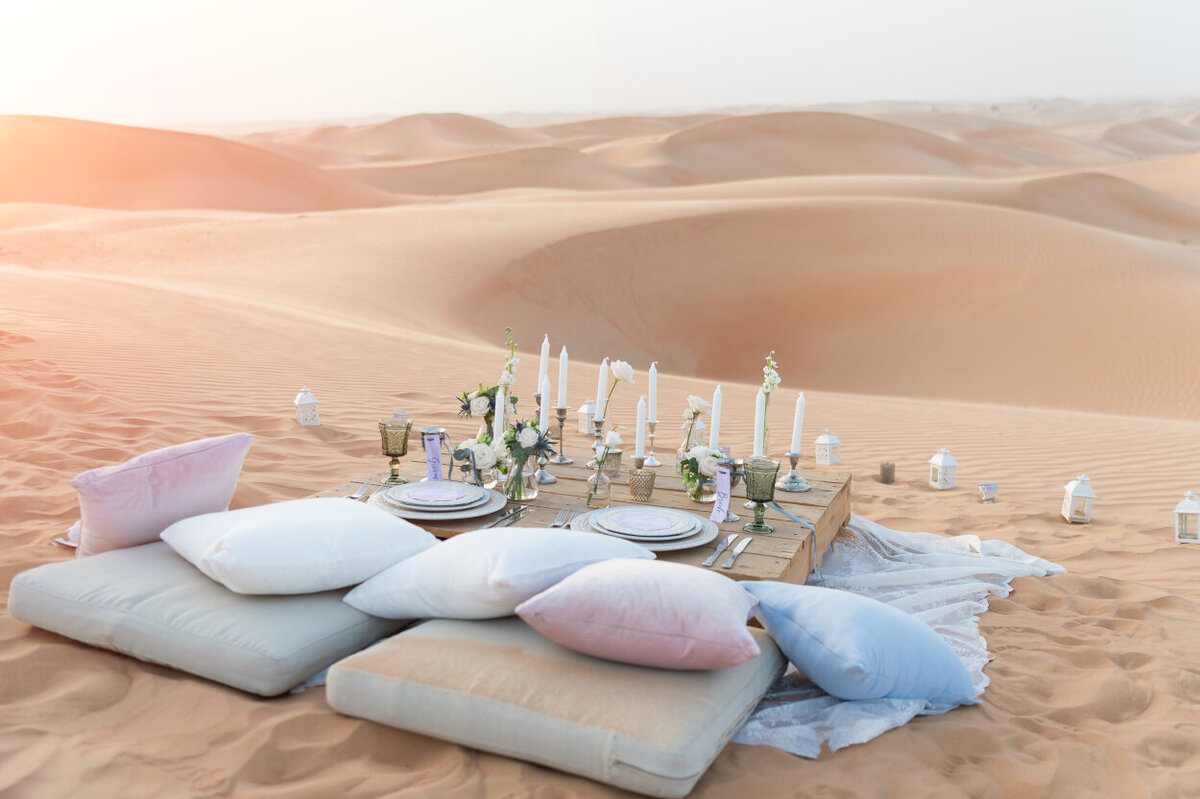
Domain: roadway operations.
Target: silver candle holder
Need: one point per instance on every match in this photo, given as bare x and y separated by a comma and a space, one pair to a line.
793, 482
652, 461
560, 414
598, 432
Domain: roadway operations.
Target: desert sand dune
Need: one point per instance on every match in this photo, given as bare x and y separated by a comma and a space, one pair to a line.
820, 143
552, 167
956, 281
1154, 137
415, 138
71, 162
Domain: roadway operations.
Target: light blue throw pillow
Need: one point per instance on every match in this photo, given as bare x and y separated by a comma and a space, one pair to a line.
854, 647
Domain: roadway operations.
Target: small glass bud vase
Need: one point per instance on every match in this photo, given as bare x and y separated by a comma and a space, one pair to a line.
641, 481
490, 478
599, 488
705, 490
612, 463
520, 484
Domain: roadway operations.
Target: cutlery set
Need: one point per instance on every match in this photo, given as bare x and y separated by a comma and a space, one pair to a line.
724, 545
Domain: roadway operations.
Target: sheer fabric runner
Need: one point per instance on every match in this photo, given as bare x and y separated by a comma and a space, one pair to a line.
944, 582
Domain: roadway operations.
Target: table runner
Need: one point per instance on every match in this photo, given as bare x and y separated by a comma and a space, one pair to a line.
944, 582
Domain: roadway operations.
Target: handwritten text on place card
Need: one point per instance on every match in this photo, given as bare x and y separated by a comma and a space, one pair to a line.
721, 506
433, 456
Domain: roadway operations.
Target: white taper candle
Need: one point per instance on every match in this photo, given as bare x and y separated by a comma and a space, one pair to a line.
544, 416
652, 405
714, 433
639, 450
562, 379
798, 425
601, 385
544, 368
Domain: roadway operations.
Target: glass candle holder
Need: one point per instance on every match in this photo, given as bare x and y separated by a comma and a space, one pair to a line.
759, 478
641, 481
393, 434
612, 463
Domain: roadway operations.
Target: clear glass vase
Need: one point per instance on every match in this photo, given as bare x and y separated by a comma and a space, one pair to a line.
612, 463
703, 490
490, 478
519, 483
599, 488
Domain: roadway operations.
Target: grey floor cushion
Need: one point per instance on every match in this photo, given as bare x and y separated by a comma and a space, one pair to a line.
499, 686
150, 603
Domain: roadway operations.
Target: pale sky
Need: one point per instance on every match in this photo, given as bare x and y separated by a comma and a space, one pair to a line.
148, 62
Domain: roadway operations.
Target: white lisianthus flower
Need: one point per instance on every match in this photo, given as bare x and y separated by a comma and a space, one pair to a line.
472, 395
613, 439
499, 450
528, 437
470, 442
485, 456
480, 406
621, 370
699, 451
698, 405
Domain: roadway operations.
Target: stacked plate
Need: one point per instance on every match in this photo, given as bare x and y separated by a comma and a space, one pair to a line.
656, 528
439, 500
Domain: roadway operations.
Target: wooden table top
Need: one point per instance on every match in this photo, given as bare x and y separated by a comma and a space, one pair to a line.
786, 555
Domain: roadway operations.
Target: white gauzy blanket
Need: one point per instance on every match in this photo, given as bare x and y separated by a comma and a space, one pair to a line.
942, 581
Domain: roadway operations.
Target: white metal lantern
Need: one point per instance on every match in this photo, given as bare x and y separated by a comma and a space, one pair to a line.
1077, 504
1187, 520
587, 412
828, 449
306, 408
943, 470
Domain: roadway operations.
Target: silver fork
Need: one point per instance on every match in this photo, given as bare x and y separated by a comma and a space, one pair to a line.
362, 490
564, 514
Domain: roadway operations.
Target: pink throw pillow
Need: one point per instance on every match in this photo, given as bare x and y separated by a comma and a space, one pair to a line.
649, 613
131, 504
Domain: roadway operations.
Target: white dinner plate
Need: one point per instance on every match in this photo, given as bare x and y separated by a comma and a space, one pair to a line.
436, 496
708, 532
494, 502
649, 522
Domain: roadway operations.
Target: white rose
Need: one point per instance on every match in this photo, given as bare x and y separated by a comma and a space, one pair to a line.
698, 404
485, 456
499, 450
470, 442
613, 439
708, 466
480, 406
699, 451
622, 371
527, 437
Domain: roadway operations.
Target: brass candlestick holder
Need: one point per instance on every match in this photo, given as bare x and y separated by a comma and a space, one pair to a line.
760, 489
793, 482
561, 415
736, 472
641, 481
652, 461
394, 438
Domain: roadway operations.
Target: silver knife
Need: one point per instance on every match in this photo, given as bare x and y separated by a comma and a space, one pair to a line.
513, 518
506, 516
739, 549
721, 547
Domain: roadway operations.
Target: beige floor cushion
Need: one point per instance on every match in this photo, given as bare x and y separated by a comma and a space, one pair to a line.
499, 686
150, 603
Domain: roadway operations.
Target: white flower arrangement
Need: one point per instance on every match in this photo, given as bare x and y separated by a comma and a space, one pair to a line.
621, 370
699, 462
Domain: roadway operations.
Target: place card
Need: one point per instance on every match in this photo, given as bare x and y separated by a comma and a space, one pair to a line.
721, 507
433, 456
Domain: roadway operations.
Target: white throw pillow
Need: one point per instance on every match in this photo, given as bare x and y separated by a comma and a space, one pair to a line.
484, 574
855, 647
298, 547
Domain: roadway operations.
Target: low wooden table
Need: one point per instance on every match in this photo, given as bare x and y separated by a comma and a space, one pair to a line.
786, 555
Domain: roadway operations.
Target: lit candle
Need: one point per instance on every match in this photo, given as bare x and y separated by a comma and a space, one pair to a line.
652, 407
601, 385
798, 424
714, 435
760, 414
544, 417
544, 368
562, 378
498, 418
639, 450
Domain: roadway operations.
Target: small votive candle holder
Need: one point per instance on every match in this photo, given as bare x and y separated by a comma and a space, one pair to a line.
988, 492
887, 473
641, 481
612, 463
